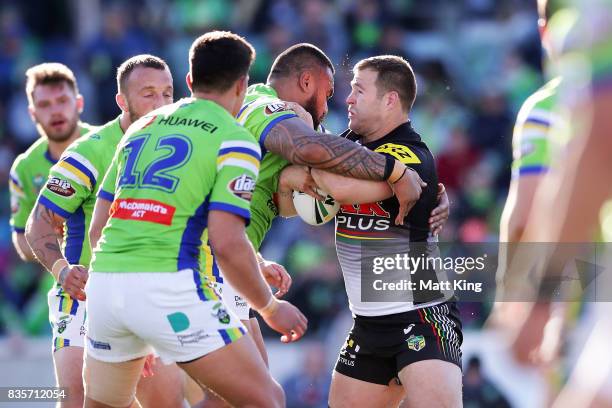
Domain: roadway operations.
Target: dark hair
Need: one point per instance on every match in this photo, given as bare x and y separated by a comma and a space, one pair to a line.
218, 59
298, 58
49, 73
394, 74
143, 60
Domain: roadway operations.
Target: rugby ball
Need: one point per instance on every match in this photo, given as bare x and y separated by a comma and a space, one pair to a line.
315, 212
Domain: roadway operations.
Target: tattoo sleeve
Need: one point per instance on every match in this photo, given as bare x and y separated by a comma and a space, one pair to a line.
42, 235
299, 144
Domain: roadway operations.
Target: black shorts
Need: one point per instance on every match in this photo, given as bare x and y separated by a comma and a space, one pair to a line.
378, 347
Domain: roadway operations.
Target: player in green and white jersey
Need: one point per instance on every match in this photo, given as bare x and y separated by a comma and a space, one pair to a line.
578, 186
67, 202
54, 104
181, 169
303, 75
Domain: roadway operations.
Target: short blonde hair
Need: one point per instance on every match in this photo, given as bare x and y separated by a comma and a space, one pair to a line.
49, 73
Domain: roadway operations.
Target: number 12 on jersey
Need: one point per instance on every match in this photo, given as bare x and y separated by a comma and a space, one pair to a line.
140, 172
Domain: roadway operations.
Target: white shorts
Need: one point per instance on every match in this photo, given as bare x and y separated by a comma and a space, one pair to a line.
177, 313
234, 301
67, 318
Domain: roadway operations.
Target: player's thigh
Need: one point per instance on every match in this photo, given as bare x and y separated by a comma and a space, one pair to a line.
163, 389
68, 363
237, 373
431, 383
253, 328
111, 384
192, 391
347, 392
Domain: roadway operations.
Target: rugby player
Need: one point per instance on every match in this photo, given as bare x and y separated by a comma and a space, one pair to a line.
302, 75
144, 83
54, 104
577, 186
179, 170
540, 133
415, 342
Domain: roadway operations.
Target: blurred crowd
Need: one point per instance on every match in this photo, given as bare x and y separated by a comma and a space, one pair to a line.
476, 61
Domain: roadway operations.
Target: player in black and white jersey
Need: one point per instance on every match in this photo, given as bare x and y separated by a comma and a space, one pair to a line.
414, 342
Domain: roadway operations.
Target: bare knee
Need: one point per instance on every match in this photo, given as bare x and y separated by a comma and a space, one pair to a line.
272, 396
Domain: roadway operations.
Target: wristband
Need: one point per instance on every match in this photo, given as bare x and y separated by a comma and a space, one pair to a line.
389, 165
270, 308
57, 267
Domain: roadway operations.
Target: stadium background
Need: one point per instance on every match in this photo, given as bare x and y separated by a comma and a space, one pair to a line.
476, 61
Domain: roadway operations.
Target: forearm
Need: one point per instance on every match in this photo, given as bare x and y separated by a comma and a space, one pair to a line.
300, 145
98, 220
285, 205
236, 257
21, 246
347, 190
284, 197
41, 235
242, 272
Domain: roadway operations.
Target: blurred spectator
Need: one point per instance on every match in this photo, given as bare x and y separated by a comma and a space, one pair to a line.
478, 392
309, 387
464, 110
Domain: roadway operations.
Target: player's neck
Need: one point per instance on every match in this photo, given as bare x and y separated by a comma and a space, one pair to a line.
385, 127
125, 121
57, 148
226, 100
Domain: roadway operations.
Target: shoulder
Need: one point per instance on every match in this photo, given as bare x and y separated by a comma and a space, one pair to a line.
406, 146
263, 109
85, 128
239, 139
91, 142
35, 152
539, 108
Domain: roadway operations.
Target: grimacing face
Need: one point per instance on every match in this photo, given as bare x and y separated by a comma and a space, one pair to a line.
55, 109
317, 104
364, 104
146, 90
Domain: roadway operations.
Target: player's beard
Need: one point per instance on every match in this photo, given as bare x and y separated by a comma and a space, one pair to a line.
311, 107
64, 136
133, 115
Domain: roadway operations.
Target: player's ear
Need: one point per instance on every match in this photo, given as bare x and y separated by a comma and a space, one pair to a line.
80, 103
391, 99
121, 102
32, 113
189, 81
306, 81
242, 85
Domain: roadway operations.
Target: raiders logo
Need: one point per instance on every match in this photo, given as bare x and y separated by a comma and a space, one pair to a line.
60, 187
242, 187
274, 108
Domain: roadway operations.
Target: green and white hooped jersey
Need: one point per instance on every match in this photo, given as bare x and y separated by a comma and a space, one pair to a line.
539, 132
262, 109
73, 183
170, 170
28, 175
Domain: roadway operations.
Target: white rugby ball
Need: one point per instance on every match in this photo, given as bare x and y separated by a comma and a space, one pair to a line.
315, 212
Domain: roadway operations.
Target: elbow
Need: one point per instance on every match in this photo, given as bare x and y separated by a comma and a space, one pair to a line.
223, 246
30, 231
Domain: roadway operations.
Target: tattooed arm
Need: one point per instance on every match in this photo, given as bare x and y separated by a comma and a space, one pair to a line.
297, 143
43, 236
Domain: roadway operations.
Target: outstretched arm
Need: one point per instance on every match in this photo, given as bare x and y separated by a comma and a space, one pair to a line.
297, 143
